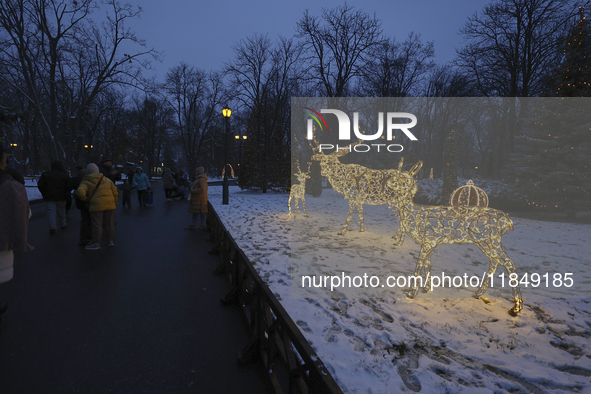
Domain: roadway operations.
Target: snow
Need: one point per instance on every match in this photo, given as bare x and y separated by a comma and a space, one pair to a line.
32, 191
376, 340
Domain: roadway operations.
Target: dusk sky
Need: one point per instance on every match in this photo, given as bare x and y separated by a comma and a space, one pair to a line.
202, 33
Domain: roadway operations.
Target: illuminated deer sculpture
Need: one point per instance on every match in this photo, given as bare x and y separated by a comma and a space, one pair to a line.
298, 192
361, 185
431, 226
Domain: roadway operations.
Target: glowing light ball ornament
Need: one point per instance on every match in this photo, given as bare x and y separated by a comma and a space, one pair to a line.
468, 196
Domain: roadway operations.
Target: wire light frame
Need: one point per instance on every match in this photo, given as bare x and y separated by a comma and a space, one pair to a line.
298, 191
231, 171
361, 185
431, 226
468, 195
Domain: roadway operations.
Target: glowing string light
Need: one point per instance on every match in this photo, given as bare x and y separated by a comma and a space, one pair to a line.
432, 226
361, 185
298, 191
231, 171
468, 195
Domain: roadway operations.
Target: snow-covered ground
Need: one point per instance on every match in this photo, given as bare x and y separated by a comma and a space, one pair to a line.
378, 341
32, 190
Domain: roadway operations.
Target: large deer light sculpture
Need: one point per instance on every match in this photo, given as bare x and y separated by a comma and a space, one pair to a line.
298, 192
361, 185
432, 226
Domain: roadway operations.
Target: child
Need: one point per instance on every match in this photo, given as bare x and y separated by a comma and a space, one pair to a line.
126, 193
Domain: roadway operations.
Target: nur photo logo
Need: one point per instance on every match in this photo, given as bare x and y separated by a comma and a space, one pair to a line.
393, 121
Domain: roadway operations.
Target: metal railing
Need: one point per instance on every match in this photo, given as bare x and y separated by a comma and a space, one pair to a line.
274, 336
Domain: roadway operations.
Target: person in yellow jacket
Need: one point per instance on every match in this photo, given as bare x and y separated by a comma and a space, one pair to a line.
102, 204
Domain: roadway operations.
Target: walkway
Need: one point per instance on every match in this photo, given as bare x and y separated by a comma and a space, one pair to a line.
141, 317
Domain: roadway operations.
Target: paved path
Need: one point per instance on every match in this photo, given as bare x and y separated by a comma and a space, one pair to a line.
141, 317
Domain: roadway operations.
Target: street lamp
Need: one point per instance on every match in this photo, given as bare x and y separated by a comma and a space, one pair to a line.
225, 193
241, 139
13, 146
88, 149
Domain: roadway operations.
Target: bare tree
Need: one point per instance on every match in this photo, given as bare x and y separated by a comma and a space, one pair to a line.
338, 46
510, 49
152, 124
263, 77
397, 69
195, 98
512, 44
52, 48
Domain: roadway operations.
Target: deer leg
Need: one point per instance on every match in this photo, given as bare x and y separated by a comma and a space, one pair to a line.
349, 216
421, 268
361, 217
297, 200
489, 251
304, 204
427, 272
400, 233
510, 267
289, 202
496, 252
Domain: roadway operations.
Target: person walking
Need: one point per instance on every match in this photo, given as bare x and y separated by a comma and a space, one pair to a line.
168, 183
54, 185
106, 168
126, 187
101, 194
14, 222
141, 181
198, 206
85, 224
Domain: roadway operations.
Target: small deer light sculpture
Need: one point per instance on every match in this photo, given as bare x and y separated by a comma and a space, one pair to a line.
431, 226
298, 192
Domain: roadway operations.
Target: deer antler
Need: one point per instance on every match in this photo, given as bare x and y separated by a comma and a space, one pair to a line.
415, 169
400, 164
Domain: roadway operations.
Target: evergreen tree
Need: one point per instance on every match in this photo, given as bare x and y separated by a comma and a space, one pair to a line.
450, 168
552, 167
573, 78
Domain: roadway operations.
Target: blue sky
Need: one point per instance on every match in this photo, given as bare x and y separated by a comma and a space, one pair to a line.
202, 33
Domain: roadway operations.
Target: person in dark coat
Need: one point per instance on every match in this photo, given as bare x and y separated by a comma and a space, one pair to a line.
54, 185
106, 168
15, 175
85, 224
126, 188
14, 221
198, 205
168, 183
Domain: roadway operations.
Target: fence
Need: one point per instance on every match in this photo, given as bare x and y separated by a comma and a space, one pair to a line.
274, 335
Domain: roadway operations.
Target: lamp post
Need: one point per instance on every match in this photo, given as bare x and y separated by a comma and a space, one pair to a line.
225, 193
88, 149
241, 138
13, 146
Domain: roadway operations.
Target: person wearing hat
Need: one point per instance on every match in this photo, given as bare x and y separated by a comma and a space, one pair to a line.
101, 194
142, 183
106, 168
198, 206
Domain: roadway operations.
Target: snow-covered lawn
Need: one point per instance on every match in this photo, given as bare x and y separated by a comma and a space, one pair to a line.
378, 341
